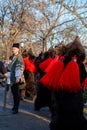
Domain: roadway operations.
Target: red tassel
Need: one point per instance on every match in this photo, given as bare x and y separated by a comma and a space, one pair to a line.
51, 64
29, 66
70, 79
84, 84
50, 79
43, 65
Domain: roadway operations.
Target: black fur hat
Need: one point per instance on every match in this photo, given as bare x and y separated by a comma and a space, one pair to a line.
16, 45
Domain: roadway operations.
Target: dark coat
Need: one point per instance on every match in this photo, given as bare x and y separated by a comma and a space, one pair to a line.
70, 108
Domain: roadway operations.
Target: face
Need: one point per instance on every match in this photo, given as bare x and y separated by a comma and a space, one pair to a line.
15, 51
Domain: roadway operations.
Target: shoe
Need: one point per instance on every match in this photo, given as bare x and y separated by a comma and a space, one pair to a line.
37, 109
14, 111
85, 104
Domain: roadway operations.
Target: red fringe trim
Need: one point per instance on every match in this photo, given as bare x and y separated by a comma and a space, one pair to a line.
50, 79
84, 84
51, 64
70, 79
30, 66
43, 65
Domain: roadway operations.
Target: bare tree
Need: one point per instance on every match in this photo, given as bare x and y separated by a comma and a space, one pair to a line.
15, 21
42, 22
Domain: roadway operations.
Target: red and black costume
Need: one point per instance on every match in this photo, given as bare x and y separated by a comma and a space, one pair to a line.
69, 97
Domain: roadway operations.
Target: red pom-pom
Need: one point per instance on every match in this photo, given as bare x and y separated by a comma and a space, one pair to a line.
50, 79
43, 65
70, 79
30, 65
84, 84
51, 64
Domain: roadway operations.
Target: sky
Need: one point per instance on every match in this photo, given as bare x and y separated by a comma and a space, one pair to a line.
69, 16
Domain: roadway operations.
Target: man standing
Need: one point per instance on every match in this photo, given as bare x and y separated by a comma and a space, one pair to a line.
16, 68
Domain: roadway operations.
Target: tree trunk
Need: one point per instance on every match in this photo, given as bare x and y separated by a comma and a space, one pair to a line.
44, 45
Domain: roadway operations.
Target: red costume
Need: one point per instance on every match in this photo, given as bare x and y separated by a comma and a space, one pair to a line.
70, 79
29, 65
50, 79
52, 63
43, 65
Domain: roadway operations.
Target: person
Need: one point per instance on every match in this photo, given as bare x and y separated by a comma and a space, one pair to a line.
29, 73
43, 95
3, 73
50, 79
69, 96
23, 86
16, 68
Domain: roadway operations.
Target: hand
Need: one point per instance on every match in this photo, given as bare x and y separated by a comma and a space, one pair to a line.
17, 80
7, 62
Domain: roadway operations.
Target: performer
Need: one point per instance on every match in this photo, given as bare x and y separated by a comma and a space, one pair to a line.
69, 97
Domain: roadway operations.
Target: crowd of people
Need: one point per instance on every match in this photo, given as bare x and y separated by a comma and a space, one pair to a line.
56, 78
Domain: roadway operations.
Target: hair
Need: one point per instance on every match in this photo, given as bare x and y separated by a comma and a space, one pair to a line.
46, 55
60, 49
76, 49
51, 52
24, 53
77, 39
